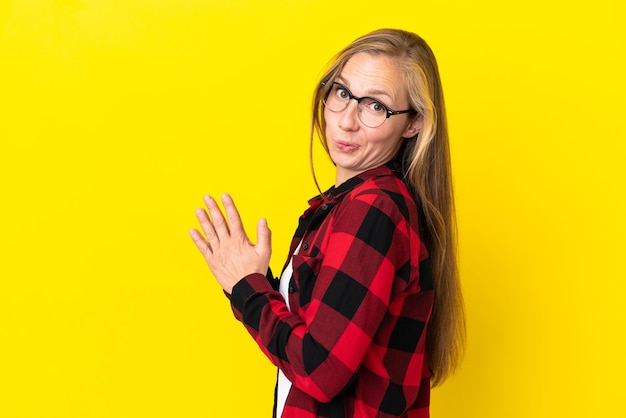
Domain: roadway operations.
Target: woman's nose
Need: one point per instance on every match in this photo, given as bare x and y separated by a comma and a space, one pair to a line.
349, 119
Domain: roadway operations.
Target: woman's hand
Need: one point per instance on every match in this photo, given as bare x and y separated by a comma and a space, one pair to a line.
227, 249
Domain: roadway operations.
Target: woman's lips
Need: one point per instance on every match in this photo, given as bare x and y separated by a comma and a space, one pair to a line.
346, 146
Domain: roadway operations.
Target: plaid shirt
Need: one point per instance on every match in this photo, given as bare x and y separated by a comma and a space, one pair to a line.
353, 344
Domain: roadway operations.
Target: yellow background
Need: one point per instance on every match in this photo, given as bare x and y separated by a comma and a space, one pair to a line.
116, 116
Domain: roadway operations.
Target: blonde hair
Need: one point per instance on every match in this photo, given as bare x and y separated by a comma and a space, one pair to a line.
428, 175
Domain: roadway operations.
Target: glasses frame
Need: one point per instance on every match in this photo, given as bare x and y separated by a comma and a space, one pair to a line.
390, 111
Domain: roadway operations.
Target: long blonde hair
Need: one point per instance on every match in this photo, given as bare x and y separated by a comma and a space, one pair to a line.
429, 176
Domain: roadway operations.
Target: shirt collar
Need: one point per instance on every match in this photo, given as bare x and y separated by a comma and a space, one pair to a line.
331, 195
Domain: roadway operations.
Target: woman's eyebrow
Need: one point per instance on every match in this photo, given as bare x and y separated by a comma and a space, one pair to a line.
342, 80
377, 92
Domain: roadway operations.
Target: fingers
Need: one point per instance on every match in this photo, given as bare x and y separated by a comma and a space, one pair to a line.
264, 239
216, 228
227, 250
198, 239
219, 225
207, 225
234, 220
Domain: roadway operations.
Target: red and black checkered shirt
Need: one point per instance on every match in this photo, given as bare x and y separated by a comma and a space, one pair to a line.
361, 295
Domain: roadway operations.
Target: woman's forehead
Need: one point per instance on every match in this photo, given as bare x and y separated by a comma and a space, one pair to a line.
373, 75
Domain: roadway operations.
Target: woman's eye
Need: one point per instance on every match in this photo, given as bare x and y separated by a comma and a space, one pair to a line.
377, 107
342, 93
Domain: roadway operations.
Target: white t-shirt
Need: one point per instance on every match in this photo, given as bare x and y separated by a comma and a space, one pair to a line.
284, 385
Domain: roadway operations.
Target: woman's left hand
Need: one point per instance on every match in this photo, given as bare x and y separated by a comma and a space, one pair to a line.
227, 249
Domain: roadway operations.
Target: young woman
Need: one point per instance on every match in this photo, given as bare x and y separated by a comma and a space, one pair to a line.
368, 311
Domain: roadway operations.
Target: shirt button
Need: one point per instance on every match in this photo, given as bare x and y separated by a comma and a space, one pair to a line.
325, 207
305, 246
292, 288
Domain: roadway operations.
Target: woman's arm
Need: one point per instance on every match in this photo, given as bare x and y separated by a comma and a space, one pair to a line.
321, 346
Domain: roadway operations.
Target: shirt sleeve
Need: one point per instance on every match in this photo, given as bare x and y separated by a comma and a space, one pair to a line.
345, 296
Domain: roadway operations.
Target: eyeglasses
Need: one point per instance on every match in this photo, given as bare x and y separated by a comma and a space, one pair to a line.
371, 112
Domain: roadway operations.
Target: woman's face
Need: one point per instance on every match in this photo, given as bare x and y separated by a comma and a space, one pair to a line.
354, 147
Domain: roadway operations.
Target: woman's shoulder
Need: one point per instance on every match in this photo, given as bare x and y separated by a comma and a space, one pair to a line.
386, 184
387, 192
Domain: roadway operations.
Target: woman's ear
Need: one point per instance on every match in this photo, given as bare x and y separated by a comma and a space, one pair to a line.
413, 127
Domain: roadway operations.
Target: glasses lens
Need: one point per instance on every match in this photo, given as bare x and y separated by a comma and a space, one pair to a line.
372, 112
338, 98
